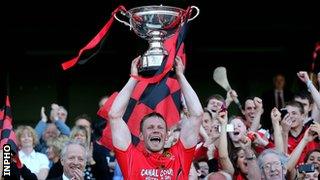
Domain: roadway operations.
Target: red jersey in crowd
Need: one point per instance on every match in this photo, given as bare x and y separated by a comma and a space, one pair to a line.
294, 141
174, 163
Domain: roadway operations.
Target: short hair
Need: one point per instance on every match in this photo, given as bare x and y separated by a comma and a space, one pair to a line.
77, 129
217, 97
69, 143
83, 116
20, 130
304, 95
296, 104
283, 158
153, 114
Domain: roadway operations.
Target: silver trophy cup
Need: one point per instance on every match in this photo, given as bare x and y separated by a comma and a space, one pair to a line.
155, 24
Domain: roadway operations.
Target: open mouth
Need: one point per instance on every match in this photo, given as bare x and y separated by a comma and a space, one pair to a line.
75, 167
236, 133
155, 139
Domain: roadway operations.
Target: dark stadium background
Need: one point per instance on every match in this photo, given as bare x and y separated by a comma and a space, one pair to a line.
253, 41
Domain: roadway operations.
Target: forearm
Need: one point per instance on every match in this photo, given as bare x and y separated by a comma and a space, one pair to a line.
40, 128
256, 122
295, 155
63, 128
223, 151
285, 138
191, 98
228, 101
121, 101
315, 114
314, 93
254, 170
223, 144
278, 139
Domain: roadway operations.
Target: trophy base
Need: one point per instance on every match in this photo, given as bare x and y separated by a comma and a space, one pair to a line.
148, 71
151, 62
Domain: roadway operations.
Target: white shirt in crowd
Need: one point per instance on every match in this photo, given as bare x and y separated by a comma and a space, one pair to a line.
35, 161
64, 177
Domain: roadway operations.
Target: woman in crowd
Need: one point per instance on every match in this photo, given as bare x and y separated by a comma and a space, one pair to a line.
54, 153
38, 163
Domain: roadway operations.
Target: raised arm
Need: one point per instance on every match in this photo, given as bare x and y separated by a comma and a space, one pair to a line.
278, 140
304, 77
121, 136
231, 96
190, 127
225, 162
259, 111
42, 124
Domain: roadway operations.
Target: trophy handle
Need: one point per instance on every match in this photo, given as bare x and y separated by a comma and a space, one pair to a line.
197, 13
122, 21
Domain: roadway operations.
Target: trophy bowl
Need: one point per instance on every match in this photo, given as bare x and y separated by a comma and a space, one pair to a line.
154, 24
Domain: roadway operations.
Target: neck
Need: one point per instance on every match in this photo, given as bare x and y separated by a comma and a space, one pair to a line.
296, 130
55, 159
236, 144
27, 150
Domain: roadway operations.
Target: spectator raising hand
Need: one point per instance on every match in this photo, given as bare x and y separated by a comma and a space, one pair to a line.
44, 117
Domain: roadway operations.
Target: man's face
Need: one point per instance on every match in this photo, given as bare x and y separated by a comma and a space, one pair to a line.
295, 116
307, 107
279, 82
51, 132
84, 123
312, 175
207, 122
272, 167
249, 111
154, 134
204, 168
214, 105
240, 130
74, 160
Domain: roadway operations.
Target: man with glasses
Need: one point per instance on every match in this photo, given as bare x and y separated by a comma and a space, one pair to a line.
272, 164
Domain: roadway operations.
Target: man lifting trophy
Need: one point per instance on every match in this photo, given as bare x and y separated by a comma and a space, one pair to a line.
155, 24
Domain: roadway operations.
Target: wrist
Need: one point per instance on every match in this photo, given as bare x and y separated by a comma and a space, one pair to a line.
309, 83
